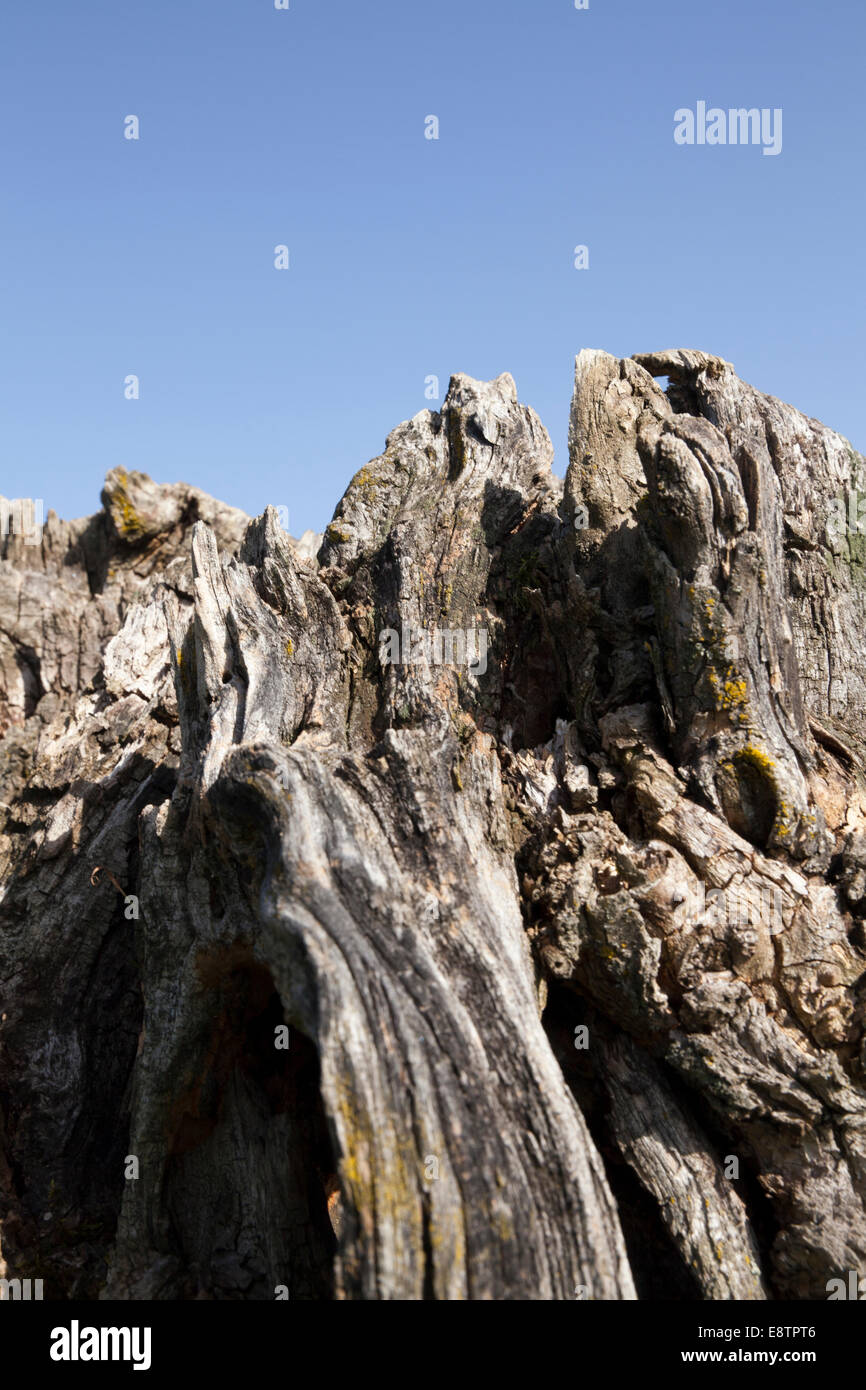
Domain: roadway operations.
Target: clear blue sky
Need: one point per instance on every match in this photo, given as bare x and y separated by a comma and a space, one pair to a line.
409, 257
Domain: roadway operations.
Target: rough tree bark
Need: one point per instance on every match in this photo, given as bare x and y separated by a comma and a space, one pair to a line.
567, 944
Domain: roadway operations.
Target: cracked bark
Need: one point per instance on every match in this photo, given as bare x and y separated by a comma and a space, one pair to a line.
644, 817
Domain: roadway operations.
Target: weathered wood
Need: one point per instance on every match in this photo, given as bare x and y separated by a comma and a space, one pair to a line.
645, 787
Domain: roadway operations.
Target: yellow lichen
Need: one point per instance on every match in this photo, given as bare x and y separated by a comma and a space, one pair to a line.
749, 753
366, 481
729, 687
130, 522
731, 691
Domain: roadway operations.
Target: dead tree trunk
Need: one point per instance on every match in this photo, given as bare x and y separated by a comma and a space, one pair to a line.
522, 959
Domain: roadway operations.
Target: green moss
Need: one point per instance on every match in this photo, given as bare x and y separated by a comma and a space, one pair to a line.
857, 549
